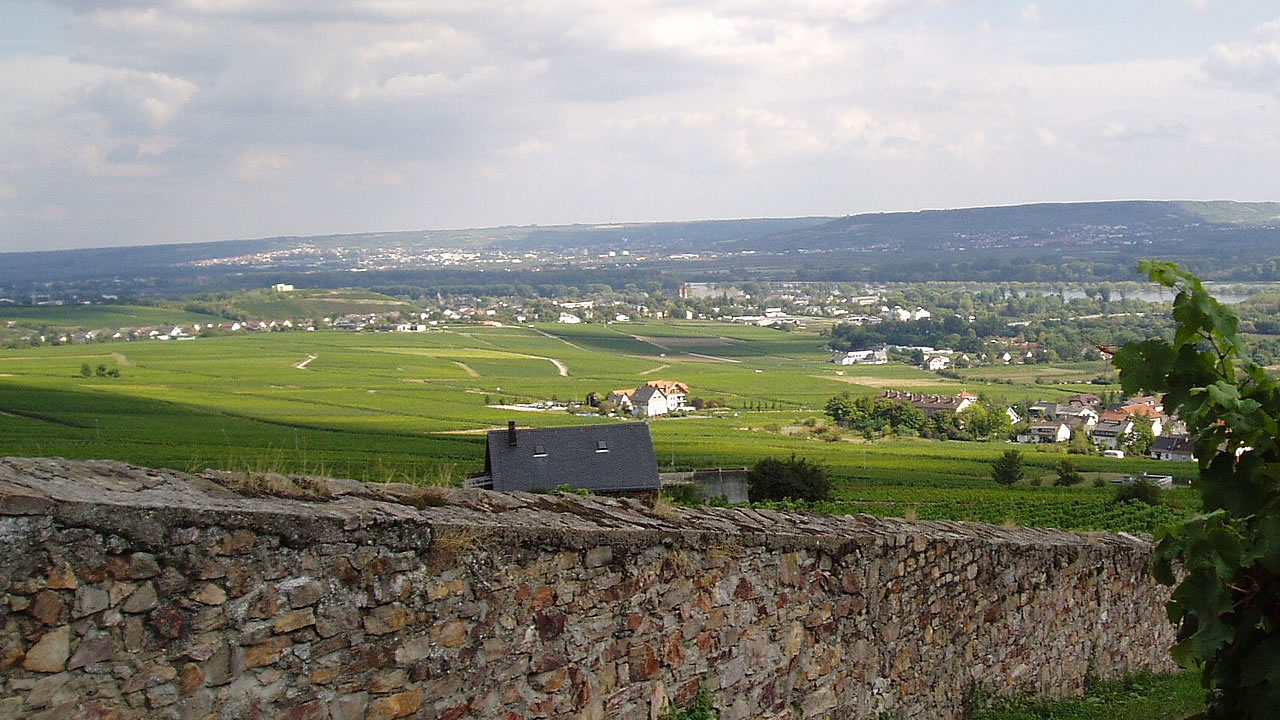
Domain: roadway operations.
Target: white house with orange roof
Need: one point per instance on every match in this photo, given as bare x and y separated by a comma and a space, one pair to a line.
674, 390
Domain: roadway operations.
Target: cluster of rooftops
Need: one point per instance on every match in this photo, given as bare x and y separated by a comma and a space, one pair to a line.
654, 398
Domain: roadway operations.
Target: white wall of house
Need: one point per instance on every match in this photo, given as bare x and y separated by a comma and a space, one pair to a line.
656, 405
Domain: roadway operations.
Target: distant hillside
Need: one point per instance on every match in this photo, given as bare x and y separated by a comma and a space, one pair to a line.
126, 263
248, 305
1105, 226
1048, 241
310, 303
677, 236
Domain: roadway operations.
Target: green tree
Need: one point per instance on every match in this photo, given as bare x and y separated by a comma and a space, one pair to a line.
1079, 443
901, 417
846, 410
1225, 561
85, 370
984, 421
1007, 469
796, 478
1067, 473
998, 422
1140, 440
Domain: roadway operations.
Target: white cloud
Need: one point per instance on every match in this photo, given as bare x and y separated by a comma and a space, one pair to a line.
341, 115
1252, 63
1153, 131
1030, 14
531, 146
260, 165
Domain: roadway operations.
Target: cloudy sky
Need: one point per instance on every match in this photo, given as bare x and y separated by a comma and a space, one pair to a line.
126, 122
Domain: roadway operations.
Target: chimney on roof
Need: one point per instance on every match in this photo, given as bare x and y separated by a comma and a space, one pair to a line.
511, 433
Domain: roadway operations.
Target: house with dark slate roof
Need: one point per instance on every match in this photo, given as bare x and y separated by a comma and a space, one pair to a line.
649, 401
601, 458
1173, 447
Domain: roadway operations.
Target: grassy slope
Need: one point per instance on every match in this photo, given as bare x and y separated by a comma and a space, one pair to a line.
98, 316
372, 405
254, 303
313, 303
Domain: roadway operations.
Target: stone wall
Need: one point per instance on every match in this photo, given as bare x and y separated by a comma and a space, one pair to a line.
134, 593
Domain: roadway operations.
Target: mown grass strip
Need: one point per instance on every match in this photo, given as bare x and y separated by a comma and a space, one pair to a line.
1140, 697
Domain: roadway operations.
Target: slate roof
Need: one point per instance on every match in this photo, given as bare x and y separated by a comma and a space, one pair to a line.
928, 403
1109, 428
1174, 444
1044, 407
642, 394
600, 458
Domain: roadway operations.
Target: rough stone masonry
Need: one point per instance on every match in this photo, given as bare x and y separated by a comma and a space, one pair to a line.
135, 593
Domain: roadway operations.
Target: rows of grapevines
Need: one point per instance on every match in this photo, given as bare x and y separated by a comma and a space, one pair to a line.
1096, 511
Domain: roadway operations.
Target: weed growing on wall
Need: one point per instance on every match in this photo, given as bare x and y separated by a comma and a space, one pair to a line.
702, 708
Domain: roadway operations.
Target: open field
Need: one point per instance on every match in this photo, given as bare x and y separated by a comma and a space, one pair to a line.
378, 406
98, 316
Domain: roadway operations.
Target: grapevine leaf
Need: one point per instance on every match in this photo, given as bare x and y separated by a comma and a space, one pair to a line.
1224, 394
1227, 560
1228, 551
1144, 365
1266, 549
1262, 701
1262, 664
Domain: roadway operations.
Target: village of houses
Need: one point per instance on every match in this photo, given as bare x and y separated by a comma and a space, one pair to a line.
795, 307
1107, 428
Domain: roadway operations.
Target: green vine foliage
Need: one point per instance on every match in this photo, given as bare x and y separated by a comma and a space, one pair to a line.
1225, 561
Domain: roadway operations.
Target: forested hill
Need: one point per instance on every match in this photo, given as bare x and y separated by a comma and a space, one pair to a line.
1182, 228
1062, 241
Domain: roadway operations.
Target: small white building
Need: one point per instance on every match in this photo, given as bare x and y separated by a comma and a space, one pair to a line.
569, 319
861, 357
937, 362
1045, 432
1174, 447
621, 399
649, 401
674, 390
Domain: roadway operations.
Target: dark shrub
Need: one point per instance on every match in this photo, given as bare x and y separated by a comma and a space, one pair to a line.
1140, 491
796, 478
